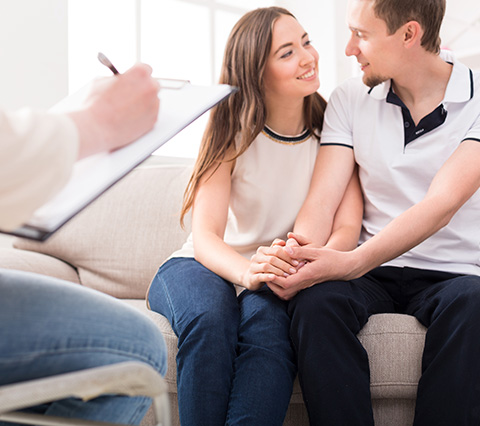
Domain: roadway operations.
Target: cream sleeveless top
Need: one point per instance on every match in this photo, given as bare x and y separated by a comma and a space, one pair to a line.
270, 182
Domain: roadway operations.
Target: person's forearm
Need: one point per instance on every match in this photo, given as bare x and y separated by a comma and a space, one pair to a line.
313, 223
315, 219
401, 235
213, 253
344, 239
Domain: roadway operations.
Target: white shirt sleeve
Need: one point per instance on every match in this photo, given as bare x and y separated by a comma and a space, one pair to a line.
337, 124
37, 153
474, 131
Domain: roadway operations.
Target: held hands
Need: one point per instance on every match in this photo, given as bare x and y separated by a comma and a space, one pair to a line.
268, 263
118, 110
318, 264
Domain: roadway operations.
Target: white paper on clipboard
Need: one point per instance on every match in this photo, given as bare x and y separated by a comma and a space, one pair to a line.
179, 106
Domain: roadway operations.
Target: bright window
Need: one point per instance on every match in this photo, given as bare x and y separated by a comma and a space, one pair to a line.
178, 38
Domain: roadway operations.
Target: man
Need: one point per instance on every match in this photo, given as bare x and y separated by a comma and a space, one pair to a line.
413, 130
49, 326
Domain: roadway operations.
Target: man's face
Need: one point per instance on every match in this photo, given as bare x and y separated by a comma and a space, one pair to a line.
376, 51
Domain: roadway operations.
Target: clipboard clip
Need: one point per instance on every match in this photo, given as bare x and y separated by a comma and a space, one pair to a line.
172, 83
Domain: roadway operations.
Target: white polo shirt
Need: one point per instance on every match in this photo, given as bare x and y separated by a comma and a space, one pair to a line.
397, 161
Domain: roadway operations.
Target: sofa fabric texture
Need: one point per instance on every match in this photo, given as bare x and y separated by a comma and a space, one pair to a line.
117, 244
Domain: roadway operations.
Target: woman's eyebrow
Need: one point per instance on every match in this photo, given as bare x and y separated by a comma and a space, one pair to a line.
282, 47
288, 44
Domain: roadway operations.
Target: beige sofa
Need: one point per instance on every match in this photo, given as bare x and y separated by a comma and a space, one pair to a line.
117, 244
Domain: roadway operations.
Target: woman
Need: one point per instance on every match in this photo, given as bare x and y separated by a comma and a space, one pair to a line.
235, 364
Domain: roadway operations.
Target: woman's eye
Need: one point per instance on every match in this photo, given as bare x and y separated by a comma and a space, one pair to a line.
286, 54
308, 43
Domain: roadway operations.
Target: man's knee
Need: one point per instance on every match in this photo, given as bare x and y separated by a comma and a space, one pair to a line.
319, 300
465, 296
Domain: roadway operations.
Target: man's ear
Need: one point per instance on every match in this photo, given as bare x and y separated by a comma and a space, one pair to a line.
412, 33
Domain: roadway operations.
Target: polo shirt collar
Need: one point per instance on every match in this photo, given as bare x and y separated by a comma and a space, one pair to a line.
460, 87
381, 91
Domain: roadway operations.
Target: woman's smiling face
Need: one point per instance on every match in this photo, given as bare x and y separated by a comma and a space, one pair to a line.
292, 67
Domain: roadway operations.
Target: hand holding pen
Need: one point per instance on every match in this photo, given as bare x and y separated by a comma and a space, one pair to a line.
105, 61
118, 110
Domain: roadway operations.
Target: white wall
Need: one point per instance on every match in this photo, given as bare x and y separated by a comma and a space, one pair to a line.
33, 56
33, 53
34, 47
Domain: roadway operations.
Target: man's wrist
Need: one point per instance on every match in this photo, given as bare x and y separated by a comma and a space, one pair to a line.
356, 264
91, 135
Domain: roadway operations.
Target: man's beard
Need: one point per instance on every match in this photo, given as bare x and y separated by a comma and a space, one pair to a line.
374, 80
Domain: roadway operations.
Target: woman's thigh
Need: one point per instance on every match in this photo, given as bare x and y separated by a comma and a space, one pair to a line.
264, 318
186, 292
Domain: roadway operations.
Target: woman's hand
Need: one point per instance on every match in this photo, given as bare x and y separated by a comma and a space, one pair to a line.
267, 264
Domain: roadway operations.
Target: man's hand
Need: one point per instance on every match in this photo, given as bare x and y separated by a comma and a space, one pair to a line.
321, 264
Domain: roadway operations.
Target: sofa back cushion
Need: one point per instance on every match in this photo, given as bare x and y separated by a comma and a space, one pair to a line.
119, 241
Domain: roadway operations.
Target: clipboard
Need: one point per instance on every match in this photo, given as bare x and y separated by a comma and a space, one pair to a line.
181, 103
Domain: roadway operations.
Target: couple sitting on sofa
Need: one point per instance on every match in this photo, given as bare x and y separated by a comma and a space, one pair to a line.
411, 136
408, 260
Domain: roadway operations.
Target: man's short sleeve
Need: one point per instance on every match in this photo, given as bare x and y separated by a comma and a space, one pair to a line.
474, 131
337, 125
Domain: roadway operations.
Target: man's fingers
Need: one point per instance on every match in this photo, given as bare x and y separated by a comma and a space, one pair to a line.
302, 253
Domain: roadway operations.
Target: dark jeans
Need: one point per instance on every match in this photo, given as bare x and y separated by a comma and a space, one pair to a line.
333, 365
235, 362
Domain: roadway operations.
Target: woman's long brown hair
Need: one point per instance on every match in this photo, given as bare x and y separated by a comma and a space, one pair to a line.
243, 114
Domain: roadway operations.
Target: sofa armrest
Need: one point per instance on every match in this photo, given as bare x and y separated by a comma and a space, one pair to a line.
29, 261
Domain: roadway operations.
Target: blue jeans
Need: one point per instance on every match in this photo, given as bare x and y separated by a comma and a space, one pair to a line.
235, 363
49, 327
333, 365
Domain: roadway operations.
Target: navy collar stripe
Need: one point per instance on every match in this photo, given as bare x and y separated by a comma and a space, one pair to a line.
336, 144
471, 139
472, 86
288, 139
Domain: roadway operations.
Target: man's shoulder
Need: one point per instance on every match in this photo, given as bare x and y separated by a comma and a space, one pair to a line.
352, 88
352, 83
353, 95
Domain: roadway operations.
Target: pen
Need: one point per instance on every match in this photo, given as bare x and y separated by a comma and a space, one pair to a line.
105, 61
166, 83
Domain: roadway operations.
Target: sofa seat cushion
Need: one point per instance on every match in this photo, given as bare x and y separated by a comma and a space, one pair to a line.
170, 339
394, 344
38, 263
119, 241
